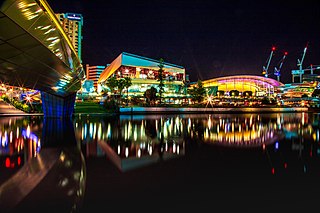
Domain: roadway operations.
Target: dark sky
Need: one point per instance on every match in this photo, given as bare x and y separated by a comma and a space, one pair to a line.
210, 38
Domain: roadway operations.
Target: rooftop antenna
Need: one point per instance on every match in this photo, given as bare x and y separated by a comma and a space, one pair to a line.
265, 69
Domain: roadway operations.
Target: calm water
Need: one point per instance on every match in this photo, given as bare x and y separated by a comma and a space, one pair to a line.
161, 163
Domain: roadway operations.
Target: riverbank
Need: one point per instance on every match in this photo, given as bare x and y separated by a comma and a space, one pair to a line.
158, 110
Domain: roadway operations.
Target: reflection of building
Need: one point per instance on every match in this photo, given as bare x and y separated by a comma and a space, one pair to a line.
93, 73
136, 144
144, 74
243, 131
72, 25
141, 154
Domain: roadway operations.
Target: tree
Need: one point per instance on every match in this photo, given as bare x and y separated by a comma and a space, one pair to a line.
127, 84
185, 86
150, 95
234, 93
316, 93
112, 83
161, 78
120, 85
198, 92
247, 93
220, 93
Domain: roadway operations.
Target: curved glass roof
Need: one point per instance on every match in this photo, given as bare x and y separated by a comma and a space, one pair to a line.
256, 80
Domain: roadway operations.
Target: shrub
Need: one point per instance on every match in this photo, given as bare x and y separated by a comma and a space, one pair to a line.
111, 105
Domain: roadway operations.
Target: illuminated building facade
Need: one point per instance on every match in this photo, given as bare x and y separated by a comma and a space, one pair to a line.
298, 90
72, 24
144, 74
93, 74
255, 85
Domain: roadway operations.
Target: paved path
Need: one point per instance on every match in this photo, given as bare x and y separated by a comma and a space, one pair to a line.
6, 108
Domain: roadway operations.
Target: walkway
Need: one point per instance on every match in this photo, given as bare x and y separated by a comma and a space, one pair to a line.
7, 109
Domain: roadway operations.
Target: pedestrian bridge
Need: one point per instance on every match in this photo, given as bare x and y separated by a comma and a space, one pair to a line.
36, 53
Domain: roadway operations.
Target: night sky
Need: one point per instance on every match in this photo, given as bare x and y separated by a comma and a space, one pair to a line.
209, 38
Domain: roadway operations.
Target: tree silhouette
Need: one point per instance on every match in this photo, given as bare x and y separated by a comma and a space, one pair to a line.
198, 92
150, 95
127, 84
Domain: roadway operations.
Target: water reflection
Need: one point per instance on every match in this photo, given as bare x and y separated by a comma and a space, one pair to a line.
37, 153
126, 139
131, 143
18, 141
51, 168
241, 130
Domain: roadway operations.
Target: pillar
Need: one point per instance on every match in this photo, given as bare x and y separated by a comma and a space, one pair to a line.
57, 106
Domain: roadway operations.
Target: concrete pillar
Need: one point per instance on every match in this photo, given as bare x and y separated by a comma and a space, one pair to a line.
57, 106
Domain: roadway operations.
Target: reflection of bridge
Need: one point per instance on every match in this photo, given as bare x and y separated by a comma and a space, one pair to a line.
36, 53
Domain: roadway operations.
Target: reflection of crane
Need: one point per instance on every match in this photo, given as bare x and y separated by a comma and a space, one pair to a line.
265, 69
277, 70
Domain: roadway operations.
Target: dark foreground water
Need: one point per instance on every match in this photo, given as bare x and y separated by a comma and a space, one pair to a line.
161, 163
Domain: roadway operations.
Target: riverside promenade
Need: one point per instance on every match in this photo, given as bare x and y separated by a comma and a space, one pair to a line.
7, 109
158, 110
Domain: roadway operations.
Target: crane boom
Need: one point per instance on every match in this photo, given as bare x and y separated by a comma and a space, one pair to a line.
277, 70
300, 62
265, 69
302, 59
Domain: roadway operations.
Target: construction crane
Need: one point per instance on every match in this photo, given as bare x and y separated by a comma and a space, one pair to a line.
300, 62
277, 70
265, 69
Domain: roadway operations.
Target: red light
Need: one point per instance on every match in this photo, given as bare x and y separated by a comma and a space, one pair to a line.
272, 171
19, 160
273, 48
7, 162
285, 165
285, 53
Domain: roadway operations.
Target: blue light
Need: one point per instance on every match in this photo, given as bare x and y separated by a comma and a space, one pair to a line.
32, 136
276, 145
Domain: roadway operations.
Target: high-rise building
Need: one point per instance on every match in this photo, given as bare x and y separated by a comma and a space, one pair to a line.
72, 24
93, 73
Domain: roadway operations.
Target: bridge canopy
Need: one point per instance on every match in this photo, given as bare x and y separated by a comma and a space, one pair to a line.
35, 52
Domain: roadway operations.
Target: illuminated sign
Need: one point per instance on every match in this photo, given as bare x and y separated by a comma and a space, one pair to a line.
74, 16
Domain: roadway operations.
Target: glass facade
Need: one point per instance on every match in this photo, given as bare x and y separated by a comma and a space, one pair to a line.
144, 73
